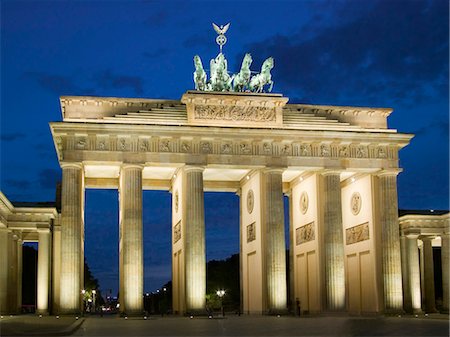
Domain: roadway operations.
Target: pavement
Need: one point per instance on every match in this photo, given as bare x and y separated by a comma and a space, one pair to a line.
230, 325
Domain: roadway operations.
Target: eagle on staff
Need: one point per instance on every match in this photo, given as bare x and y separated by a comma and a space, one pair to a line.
221, 38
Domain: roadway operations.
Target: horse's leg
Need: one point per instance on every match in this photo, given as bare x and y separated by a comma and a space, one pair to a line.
271, 86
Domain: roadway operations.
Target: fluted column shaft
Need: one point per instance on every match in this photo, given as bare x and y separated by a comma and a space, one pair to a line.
195, 239
131, 240
12, 273
275, 245
19, 274
445, 259
333, 242
390, 242
4, 271
72, 238
43, 272
412, 286
430, 299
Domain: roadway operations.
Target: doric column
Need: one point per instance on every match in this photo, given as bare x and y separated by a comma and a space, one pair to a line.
43, 271
333, 250
195, 239
4, 271
56, 265
412, 284
12, 273
430, 299
445, 257
131, 240
275, 246
72, 237
390, 241
19, 273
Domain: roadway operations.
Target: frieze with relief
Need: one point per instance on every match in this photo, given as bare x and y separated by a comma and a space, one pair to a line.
304, 234
251, 232
235, 113
177, 232
260, 148
357, 233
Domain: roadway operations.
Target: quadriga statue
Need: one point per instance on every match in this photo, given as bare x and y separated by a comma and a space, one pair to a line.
199, 74
258, 81
242, 79
220, 79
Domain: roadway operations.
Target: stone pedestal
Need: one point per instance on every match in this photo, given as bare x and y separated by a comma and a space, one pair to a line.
275, 247
43, 271
430, 299
195, 252
72, 238
131, 240
333, 249
390, 242
445, 257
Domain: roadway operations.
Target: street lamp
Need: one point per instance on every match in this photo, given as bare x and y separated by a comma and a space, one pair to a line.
221, 294
94, 292
82, 303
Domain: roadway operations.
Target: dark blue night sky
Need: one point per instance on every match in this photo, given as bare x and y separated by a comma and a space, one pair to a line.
388, 53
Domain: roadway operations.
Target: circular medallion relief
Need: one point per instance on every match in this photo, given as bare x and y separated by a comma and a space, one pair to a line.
304, 201
355, 203
176, 201
250, 201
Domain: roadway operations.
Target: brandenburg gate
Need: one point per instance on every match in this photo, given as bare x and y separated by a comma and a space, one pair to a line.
337, 165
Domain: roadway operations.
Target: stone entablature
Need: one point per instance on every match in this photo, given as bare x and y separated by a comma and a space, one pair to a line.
89, 142
424, 224
221, 109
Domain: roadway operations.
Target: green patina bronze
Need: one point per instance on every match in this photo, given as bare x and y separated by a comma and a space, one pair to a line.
221, 80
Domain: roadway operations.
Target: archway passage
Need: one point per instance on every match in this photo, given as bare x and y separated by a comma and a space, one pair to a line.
29, 277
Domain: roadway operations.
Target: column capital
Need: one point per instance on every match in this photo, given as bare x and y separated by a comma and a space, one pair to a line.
328, 172
77, 165
274, 169
126, 166
388, 172
193, 168
427, 237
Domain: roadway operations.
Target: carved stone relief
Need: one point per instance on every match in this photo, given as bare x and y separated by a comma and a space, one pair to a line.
226, 148
235, 113
305, 149
164, 145
304, 202
177, 232
206, 147
304, 234
176, 201
143, 145
250, 201
355, 203
185, 147
251, 233
325, 150
357, 233
245, 148
81, 143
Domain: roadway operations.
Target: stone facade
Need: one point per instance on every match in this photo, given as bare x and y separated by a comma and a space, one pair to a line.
338, 165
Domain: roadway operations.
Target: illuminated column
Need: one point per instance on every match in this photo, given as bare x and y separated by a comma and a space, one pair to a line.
195, 240
333, 241
131, 240
43, 271
12, 273
56, 265
4, 271
430, 300
19, 273
445, 257
412, 280
390, 241
273, 215
72, 237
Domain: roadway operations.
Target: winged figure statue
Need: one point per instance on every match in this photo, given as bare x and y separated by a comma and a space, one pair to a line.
222, 29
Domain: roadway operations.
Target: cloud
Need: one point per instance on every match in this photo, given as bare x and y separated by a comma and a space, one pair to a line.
9, 137
198, 40
157, 19
157, 53
48, 178
441, 127
19, 184
107, 79
55, 83
397, 50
